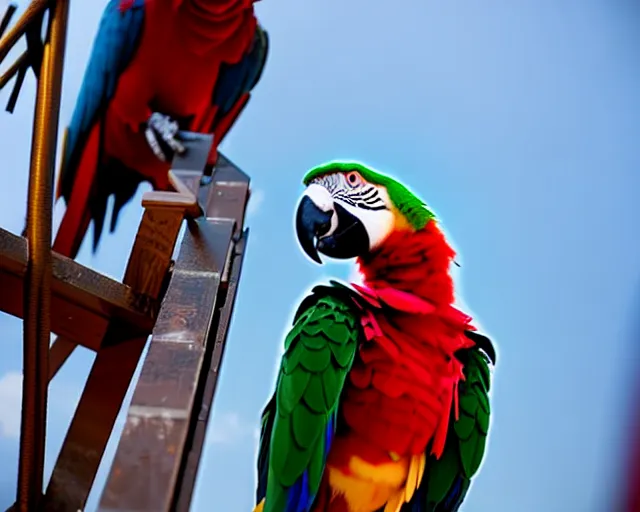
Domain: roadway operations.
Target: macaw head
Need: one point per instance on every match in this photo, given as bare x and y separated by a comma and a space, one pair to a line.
348, 210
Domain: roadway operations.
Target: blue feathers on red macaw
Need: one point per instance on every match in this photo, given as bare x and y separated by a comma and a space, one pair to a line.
157, 66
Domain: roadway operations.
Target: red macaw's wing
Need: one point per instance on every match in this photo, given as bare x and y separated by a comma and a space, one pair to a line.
446, 480
234, 85
113, 49
299, 422
77, 216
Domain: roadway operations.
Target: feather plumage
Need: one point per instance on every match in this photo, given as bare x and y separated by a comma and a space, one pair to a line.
299, 423
447, 480
136, 68
413, 413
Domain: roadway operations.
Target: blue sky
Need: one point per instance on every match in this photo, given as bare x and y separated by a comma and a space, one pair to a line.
518, 122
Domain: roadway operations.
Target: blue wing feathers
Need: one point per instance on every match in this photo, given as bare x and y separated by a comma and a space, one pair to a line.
299, 499
114, 46
293, 497
305, 498
238, 79
452, 501
329, 436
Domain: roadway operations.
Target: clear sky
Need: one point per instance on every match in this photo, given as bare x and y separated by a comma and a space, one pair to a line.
518, 122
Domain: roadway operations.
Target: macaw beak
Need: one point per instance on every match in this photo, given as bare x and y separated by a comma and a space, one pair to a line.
311, 223
329, 228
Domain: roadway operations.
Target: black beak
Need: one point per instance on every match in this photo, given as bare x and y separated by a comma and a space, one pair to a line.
350, 239
311, 223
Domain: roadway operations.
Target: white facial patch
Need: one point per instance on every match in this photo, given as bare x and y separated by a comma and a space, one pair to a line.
378, 223
321, 197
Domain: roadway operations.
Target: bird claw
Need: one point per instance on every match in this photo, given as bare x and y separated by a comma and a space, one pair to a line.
161, 133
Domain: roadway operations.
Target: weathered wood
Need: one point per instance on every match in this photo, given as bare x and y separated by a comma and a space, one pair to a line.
112, 370
116, 361
202, 409
155, 433
83, 301
59, 352
230, 194
185, 180
93, 421
179, 376
159, 452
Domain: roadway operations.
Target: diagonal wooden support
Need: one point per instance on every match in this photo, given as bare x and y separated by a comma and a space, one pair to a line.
83, 301
159, 452
112, 370
158, 418
184, 197
115, 362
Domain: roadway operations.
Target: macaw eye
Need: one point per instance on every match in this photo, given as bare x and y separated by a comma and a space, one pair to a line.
354, 179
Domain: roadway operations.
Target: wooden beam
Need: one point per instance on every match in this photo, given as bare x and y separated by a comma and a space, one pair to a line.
201, 411
185, 180
83, 301
116, 361
145, 468
158, 455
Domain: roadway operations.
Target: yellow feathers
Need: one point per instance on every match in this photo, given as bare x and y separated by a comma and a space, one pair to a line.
400, 222
259, 506
416, 470
367, 488
414, 475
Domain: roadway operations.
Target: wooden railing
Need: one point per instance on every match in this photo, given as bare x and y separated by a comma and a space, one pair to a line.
186, 306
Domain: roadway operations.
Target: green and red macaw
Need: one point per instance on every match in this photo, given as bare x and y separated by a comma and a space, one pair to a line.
156, 67
382, 397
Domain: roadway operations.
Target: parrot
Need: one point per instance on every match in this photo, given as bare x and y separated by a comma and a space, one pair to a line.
381, 402
157, 67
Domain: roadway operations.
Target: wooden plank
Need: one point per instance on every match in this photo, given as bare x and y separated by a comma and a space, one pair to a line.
159, 452
185, 181
228, 200
93, 421
83, 301
112, 370
115, 363
202, 409
149, 455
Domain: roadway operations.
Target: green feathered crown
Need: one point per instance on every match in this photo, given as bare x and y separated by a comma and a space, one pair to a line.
412, 207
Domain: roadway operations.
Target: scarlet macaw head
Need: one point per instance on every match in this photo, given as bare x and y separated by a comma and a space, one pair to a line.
349, 210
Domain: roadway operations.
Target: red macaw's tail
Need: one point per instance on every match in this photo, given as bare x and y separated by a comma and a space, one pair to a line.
93, 182
75, 221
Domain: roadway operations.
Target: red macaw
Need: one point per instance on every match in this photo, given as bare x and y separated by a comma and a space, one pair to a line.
382, 398
157, 67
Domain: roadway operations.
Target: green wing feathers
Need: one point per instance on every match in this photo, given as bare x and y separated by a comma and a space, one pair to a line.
300, 419
447, 479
